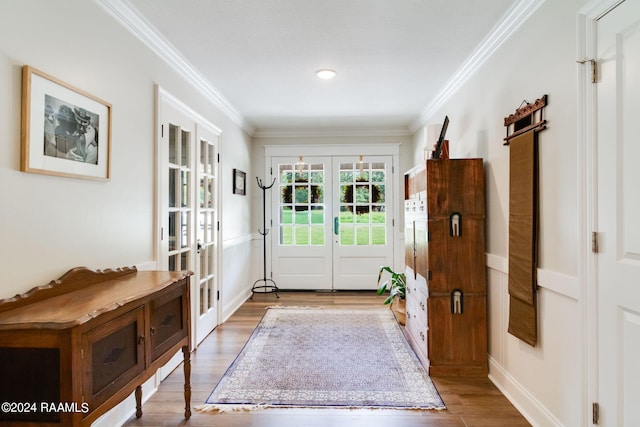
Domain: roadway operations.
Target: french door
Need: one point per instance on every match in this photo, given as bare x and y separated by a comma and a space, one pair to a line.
332, 221
206, 217
188, 206
618, 260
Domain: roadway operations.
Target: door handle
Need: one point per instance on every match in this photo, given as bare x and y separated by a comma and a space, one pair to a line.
336, 225
199, 246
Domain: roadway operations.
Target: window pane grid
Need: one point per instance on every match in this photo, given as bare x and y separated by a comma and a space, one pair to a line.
362, 203
180, 201
302, 204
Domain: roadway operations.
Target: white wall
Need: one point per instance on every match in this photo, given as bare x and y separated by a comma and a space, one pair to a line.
544, 382
50, 224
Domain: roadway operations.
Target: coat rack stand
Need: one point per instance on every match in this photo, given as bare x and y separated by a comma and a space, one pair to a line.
268, 285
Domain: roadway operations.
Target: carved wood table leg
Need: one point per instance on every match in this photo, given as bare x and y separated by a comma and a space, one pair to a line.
138, 401
187, 381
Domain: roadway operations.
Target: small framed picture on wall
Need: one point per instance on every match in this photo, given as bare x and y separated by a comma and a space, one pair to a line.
239, 182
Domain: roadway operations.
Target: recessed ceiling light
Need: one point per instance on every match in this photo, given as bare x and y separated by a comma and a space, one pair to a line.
326, 73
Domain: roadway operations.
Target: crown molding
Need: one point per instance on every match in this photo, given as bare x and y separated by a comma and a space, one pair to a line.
128, 17
515, 17
313, 150
398, 131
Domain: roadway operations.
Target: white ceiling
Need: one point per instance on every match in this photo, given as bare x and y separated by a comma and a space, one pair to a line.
394, 58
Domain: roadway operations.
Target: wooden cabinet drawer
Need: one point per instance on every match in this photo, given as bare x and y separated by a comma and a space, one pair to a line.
416, 325
168, 320
112, 354
417, 328
456, 262
419, 287
457, 342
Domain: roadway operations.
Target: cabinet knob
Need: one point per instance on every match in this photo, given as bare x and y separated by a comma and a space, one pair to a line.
153, 330
141, 339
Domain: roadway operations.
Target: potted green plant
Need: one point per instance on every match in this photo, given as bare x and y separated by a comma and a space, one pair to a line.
397, 287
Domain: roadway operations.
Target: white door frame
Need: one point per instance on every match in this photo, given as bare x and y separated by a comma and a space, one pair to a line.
319, 150
588, 199
164, 98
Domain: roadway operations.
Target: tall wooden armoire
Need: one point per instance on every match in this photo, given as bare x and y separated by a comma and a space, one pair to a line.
445, 265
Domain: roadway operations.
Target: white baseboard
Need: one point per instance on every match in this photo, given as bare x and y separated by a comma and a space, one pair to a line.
234, 305
525, 403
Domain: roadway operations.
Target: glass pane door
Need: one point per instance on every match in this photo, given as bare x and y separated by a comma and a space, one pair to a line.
188, 206
207, 219
362, 206
331, 220
301, 255
180, 207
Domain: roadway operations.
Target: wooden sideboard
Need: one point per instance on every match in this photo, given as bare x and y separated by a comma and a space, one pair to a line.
76, 347
445, 265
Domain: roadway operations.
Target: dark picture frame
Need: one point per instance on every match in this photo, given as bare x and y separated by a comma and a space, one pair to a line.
239, 182
65, 131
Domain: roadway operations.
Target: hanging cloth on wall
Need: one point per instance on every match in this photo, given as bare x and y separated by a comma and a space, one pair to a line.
523, 232
522, 137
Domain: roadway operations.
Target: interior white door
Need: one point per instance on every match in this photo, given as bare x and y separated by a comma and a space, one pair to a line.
175, 182
206, 216
301, 240
363, 220
618, 216
188, 206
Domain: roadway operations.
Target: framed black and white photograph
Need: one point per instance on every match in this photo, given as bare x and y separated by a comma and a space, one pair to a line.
65, 131
239, 182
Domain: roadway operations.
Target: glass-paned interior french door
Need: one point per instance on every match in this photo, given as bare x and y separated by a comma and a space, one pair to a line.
332, 221
188, 206
207, 231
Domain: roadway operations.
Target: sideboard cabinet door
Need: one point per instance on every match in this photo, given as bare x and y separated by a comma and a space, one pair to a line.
169, 322
113, 354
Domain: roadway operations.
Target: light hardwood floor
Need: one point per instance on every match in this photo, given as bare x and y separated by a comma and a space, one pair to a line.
469, 401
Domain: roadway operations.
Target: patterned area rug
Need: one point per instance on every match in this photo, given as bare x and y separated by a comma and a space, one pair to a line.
325, 357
